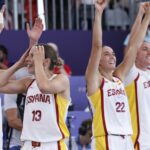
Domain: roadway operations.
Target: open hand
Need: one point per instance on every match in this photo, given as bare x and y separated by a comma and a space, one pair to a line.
22, 61
36, 31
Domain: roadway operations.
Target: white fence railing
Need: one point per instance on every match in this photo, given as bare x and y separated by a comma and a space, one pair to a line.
69, 14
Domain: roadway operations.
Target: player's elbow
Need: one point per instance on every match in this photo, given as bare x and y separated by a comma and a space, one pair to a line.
12, 123
97, 46
2, 84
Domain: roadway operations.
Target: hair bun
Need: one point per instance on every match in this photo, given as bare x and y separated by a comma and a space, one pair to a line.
59, 62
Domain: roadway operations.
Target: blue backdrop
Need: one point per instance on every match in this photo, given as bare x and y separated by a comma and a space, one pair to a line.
74, 46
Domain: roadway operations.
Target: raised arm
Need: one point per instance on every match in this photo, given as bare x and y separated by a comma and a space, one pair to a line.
34, 34
92, 72
137, 23
7, 85
6, 74
135, 42
59, 85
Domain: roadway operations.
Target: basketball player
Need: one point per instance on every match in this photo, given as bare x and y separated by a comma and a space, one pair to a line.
111, 118
47, 99
138, 91
13, 103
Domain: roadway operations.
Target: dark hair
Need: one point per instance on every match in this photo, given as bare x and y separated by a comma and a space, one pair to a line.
4, 50
50, 53
86, 125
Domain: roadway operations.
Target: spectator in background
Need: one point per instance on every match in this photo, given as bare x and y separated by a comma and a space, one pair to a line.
116, 16
125, 5
58, 7
83, 141
85, 13
14, 107
27, 8
3, 57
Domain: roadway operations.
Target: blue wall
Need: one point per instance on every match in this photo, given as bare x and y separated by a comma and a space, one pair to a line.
74, 46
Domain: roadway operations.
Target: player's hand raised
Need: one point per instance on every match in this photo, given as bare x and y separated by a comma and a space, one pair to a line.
147, 8
100, 5
22, 61
142, 8
36, 31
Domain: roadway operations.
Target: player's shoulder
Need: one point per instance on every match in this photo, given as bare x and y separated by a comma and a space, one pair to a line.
62, 77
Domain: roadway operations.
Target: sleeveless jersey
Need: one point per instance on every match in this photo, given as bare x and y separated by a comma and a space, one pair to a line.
138, 93
110, 109
44, 116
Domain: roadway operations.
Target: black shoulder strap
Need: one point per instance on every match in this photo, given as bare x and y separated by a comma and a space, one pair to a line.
21, 104
9, 134
20, 99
